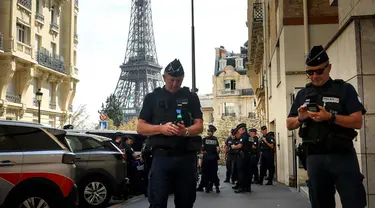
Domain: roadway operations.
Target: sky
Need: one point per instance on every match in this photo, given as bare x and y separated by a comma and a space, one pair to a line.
103, 31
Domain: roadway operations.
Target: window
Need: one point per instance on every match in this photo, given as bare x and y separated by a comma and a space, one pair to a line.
53, 49
229, 109
81, 143
31, 139
37, 42
7, 144
53, 15
223, 64
21, 33
39, 7
230, 84
52, 121
239, 64
50, 90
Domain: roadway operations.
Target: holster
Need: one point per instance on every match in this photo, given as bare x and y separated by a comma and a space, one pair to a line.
302, 155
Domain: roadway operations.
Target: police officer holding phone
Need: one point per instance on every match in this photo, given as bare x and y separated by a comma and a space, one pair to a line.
326, 112
172, 117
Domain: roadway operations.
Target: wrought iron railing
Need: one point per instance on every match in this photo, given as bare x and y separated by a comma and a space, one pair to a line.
39, 17
248, 91
11, 97
54, 62
54, 26
25, 3
252, 115
1, 41
258, 12
229, 92
229, 114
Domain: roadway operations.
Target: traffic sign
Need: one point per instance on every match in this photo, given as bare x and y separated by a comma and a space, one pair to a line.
103, 125
103, 117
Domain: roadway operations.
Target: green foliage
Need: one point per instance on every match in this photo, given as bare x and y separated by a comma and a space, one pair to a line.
113, 110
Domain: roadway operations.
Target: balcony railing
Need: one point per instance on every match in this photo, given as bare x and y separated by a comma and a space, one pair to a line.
229, 114
252, 115
11, 97
54, 62
248, 91
52, 106
229, 93
39, 17
258, 12
1, 42
25, 3
54, 26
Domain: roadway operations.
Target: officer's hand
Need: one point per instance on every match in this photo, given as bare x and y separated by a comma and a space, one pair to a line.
302, 112
264, 139
322, 115
169, 129
181, 129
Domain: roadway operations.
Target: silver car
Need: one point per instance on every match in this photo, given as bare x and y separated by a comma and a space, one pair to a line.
35, 168
101, 168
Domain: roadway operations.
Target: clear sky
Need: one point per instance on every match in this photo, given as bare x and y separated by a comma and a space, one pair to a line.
103, 31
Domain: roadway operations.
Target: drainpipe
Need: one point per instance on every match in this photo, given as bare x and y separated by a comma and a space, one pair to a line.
306, 27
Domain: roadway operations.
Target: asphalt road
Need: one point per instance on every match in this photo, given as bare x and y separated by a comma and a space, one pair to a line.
277, 195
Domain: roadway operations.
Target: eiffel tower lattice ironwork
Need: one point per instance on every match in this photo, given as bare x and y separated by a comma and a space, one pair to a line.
140, 72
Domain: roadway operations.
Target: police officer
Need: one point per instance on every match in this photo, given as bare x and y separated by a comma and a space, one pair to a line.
327, 112
211, 150
255, 154
244, 166
229, 157
267, 160
132, 171
172, 117
146, 157
119, 141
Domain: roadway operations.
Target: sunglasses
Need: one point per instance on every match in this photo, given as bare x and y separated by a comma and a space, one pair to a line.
318, 71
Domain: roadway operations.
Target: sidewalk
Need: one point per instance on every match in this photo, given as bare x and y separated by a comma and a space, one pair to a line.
277, 195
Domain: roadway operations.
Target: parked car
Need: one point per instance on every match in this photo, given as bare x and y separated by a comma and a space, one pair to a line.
35, 168
101, 168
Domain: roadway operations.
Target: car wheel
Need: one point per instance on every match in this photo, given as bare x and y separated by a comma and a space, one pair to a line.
94, 192
34, 199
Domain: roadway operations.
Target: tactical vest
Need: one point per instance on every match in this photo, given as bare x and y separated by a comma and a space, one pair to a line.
164, 111
263, 145
248, 146
331, 135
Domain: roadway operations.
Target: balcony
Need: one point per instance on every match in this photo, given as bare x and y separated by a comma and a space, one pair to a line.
1, 42
247, 92
11, 97
25, 3
229, 93
229, 114
23, 47
39, 17
256, 46
54, 62
54, 28
52, 106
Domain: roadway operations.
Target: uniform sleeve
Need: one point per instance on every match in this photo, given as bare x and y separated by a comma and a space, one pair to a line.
217, 143
146, 111
353, 102
298, 101
196, 105
271, 140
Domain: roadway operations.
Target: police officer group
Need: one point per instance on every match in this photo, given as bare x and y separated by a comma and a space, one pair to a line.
243, 152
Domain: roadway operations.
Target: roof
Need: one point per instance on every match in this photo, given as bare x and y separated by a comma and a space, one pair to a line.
206, 100
51, 130
100, 138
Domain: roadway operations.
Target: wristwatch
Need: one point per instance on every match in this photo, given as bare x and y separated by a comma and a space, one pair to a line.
299, 120
187, 132
333, 118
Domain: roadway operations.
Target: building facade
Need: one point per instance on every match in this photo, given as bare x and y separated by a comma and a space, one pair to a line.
39, 43
233, 95
280, 37
206, 101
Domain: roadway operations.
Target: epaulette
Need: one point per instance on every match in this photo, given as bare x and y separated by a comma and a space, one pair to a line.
158, 89
185, 89
339, 81
308, 85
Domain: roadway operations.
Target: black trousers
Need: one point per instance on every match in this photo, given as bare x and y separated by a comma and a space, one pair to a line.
267, 163
231, 165
254, 167
330, 172
244, 171
175, 173
209, 172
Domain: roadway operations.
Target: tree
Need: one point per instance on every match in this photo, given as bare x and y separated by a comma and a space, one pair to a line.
80, 118
113, 110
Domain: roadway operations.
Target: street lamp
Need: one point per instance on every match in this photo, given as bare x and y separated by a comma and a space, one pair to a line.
39, 96
194, 89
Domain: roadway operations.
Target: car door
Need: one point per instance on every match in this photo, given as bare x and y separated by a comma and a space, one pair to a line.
11, 159
82, 155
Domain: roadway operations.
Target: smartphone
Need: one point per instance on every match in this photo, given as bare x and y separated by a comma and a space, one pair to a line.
313, 107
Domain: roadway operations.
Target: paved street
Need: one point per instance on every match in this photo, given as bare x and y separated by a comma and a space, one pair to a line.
262, 196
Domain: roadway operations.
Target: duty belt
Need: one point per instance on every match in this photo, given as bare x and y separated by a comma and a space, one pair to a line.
170, 153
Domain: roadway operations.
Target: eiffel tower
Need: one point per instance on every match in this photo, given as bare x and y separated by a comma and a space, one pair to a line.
140, 72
